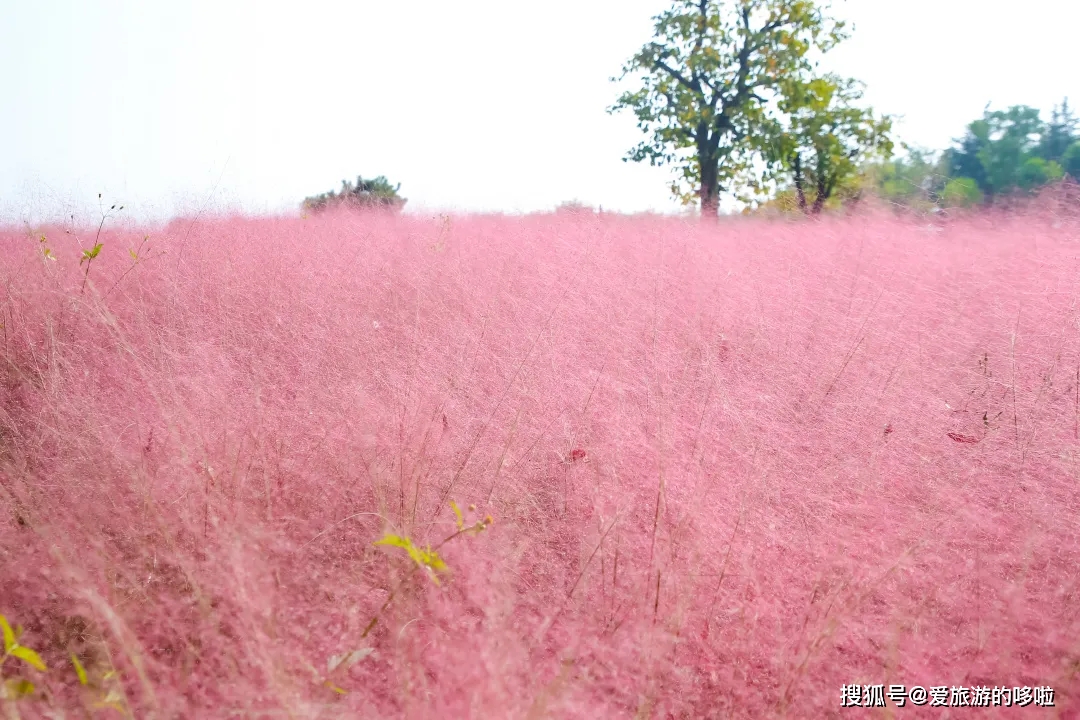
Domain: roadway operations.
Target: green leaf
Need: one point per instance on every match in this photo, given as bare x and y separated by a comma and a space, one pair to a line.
28, 656
457, 513
9, 634
335, 688
79, 669
88, 255
424, 557
394, 541
15, 688
134, 255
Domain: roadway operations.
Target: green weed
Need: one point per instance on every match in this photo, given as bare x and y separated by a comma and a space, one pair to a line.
107, 693
425, 558
15, 688
46, 253
88, 255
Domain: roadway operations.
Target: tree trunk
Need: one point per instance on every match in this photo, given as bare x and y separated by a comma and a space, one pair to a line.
800, 193
823, 193
709, 192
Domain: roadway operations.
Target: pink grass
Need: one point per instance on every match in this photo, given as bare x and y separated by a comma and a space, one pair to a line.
730, 468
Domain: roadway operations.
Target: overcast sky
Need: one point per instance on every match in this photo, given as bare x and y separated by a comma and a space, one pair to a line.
474, 105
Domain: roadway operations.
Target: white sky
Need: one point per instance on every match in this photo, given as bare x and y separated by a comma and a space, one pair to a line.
473, 105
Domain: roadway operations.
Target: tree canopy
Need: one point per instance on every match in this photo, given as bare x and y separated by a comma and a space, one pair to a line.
824, 138
1013, 150
710, 80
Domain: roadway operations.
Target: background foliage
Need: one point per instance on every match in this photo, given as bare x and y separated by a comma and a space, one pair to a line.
376, 193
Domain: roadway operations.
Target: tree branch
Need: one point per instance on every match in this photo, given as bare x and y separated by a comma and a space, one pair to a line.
703, 9
763, 34
659, 64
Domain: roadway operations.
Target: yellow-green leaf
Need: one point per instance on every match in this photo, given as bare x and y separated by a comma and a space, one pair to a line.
395, 540
79, 669
428, 557
424, 557
335, 688
457, 512
16, 688
28, 656
9, 634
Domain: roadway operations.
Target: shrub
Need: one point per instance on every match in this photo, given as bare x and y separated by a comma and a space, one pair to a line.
573, 207
376, 193
961, 192
1036, 172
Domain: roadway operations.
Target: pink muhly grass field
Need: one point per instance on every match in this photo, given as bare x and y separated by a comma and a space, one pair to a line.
730, 469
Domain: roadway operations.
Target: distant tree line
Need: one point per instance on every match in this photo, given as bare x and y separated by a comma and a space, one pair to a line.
728, 92
1003, 155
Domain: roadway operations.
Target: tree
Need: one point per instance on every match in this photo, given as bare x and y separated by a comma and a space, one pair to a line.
1070, 161
915, 180
707, 77
964, 161
961, 192
1036, 172
1060, 133
376, 193
996, 150
824, 138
